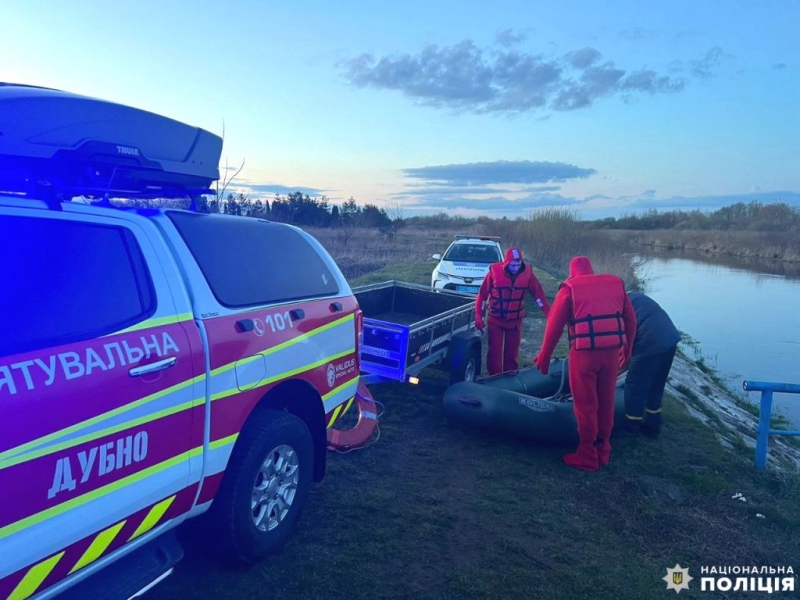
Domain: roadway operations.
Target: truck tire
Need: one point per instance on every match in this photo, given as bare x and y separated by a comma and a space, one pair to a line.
265, 486
468, 368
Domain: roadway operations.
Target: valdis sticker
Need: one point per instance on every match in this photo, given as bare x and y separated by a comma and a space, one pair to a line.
343, 369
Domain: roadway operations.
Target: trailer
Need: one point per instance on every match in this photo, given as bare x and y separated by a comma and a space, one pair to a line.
408, 327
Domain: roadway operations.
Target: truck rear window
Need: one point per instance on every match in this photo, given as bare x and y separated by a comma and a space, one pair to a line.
248, 261
66, 281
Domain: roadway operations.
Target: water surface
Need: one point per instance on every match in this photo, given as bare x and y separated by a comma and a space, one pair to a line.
746, 320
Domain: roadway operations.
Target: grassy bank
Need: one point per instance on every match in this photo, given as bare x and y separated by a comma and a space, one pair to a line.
433, 510
741, 244
548, 239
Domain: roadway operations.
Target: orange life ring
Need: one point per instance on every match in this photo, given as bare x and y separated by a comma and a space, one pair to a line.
362, 431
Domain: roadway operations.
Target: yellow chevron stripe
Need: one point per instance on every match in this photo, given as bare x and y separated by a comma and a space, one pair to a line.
155, 323
153, 517
335, 416
34, 578
99, 545
94, 494
342, 408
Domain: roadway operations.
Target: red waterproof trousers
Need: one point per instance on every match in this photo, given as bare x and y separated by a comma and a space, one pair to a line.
504, 341
593, 382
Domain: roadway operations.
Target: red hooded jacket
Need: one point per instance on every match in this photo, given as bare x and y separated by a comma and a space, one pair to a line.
597, 309
506, 291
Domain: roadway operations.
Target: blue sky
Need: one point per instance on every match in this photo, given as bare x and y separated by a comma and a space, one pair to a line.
471, 107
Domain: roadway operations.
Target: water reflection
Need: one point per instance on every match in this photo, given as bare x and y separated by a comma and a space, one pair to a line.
745, 321
758, 267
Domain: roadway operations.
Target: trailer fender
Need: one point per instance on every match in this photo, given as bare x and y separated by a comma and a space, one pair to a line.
464, 346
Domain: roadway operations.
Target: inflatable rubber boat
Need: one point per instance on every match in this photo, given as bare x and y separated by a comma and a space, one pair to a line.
523, 404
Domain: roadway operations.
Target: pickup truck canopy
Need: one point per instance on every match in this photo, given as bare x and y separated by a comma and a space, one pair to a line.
74, 145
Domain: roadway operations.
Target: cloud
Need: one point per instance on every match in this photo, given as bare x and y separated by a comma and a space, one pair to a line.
273, 188
498, 203
585, 57
711, 202
780, 66
509, 37
542, 188
704, 67
502, 171
464, 77
443, 190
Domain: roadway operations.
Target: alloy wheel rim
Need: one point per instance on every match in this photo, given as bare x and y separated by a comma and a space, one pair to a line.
274, 488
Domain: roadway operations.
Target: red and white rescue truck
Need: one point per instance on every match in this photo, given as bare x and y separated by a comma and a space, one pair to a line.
155, 364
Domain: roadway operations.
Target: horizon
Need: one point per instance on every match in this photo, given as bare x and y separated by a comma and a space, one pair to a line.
460, 108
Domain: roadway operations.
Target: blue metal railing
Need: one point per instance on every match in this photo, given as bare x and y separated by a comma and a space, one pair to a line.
765, 414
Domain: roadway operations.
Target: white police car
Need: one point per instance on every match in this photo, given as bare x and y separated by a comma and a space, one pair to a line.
466, 263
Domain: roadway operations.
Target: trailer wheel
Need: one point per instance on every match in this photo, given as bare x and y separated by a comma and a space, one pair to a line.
265, 486
469, 368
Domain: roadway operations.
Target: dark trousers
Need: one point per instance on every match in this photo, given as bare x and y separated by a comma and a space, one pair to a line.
644, 386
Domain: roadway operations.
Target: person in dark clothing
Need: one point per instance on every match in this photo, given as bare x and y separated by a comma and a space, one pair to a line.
649, 366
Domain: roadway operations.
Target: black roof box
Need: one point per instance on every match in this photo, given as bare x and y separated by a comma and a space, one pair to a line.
75, 145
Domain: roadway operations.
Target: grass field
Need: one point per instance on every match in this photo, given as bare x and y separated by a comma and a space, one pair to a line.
432, 510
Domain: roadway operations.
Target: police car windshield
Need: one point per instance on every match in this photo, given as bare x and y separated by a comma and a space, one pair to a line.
474, 253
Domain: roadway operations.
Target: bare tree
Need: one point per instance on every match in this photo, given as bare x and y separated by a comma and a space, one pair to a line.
226, 180
396, 211
348, 220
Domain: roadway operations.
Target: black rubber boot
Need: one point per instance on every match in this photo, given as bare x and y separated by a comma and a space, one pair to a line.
628, 428
651, 429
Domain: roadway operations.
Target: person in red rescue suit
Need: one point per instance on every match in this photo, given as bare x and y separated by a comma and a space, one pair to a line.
601, 321
504, 289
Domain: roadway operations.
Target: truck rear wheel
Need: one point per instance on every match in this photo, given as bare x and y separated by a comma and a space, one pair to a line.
265, 486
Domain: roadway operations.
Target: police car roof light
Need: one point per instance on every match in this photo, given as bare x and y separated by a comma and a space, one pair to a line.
488, 238
54, 143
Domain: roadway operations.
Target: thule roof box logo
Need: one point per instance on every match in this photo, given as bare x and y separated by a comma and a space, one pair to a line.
127, 151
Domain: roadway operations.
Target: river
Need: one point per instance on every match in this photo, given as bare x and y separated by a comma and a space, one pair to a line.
744, 316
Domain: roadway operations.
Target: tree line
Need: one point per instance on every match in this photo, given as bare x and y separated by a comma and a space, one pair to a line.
752, 216
302, 210
299, 209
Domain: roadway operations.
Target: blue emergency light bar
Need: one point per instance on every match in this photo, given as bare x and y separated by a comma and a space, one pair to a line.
59, 144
